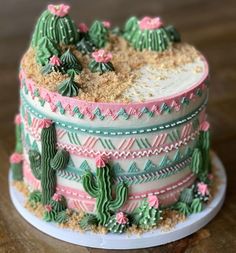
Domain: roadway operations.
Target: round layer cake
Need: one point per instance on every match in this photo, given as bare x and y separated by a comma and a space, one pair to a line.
110, 119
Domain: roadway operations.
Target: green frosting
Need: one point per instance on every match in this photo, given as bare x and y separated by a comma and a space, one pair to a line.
88, 221
98, 34
114, 227
100, 66
49, 68
62, 217
60, 205
205, 148
35, 197
49, 216
196, 205
60, 160
19, 146
196, 163
153, 40
60, 30
45, 50
183, 208
69, 61
100, 187
85, 46
41, 165
16, 169
145, 216
68, 87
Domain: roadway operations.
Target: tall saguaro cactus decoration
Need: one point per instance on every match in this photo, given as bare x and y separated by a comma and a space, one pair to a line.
56, 25
44, 166
101, 189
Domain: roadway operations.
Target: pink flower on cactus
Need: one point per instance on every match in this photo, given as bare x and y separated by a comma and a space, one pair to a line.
106, 24
48, 208
205, 125
83, 28
45, 123
57, 197
55, 60
100, 161
60, 10
17, 119
202, 188
121, 218
148, 23
102, 56
16, 158
153, 201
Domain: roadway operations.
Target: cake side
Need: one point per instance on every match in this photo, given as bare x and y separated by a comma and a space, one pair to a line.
116, 136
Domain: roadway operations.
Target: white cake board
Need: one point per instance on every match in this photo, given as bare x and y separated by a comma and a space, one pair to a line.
112, 241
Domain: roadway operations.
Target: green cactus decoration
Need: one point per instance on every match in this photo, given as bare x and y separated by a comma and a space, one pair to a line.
70, 61
98, 34
114, 226
196, 163
35, 197
60, 30
196, 205
100, 67
146, 216
85, 46
58, 203
45, 50
49, 214
44, 166
88, 221
145, 35
186, 196
62, 217
205, 148
183, 208
100, 187
68, 87
18, 131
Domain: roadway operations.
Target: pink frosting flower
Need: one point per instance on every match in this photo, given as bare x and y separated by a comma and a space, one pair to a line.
55, 60
48, 208
17, 119
57, 197
60, 10
202, 188
106, 24
102, 56
100, 161
153, 201
121, 218
83, 28
16, 158
205, 125
45, 123
148, 23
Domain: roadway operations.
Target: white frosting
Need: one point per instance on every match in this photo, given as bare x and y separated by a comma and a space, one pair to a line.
155, 83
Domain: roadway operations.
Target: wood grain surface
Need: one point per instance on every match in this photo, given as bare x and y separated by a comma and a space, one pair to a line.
210, 25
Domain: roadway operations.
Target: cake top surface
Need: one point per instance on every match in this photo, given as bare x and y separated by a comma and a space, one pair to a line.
119, 70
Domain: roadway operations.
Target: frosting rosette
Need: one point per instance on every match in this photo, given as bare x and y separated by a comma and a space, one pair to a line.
100, 161
17, 119
148, 23
102, 56
16, 158
121, 218
202, 189
60, 10
45, 123
153, 201
55, 60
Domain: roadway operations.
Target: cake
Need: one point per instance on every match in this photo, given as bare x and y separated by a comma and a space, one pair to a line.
112, 132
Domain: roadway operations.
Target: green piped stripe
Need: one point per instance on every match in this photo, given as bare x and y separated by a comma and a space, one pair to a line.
114, 132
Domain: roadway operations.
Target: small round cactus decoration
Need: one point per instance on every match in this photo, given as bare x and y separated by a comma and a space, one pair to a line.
98, 34
56, 25
150, 34
118, 223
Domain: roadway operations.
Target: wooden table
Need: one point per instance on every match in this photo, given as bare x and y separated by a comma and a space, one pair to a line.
209, 25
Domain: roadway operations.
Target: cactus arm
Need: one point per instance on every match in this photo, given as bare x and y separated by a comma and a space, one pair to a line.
121, 197
89, 185
196, 163
60, 160
19, 147
35, 163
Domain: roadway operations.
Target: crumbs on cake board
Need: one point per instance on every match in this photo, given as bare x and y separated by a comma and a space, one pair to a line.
110, 86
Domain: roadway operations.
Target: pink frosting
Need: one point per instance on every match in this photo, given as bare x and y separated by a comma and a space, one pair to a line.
83, 28
16, 158
202, 188
153, 201
55, 60
121, 218
100, 161
106, 24
205, 125
48, 208
17, 119
148, 23
57, 197
102, 56
45, 123
60, 10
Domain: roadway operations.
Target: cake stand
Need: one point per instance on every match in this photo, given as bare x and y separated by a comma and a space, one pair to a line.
149, 239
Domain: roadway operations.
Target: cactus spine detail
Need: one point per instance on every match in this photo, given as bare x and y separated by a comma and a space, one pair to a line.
42, 166
101, 189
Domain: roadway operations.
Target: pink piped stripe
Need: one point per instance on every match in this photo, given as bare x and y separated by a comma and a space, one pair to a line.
159, 140
187, 129
90, 142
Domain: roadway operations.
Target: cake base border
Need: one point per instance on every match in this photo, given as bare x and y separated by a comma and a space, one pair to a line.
124, 241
